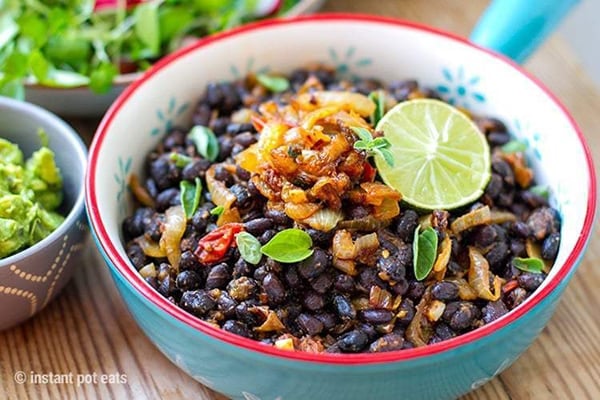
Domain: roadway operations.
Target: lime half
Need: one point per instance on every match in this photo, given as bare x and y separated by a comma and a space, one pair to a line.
442, 160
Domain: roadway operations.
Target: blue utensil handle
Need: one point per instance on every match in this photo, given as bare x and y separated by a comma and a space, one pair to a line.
516, 28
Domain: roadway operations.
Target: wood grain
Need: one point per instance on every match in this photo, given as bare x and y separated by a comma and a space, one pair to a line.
87, 329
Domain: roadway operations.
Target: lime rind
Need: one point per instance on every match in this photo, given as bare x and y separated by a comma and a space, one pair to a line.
442, 160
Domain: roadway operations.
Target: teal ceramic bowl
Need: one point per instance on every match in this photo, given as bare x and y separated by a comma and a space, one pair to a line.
356, 45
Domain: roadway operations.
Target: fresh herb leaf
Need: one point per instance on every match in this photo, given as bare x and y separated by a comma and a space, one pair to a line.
218, 210
289, 246
532, 264
514, 146
180, 159
378, 97
205, 141
540, 190
424, 252
373, 146
102, 77
190, 196
249, 247
275, 84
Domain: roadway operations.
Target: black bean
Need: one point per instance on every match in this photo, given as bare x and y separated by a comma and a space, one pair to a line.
167, 198
242, 268
402, 89
343, 307
532, 199
406, 312
266, 236
314, 265
444, 290
219, 126
464, 315
493, 310
497, 255
406, 225
444, 332
353, 341
152, 281
368, 278
455, 268
242, 196
390, 265
188, 280
235, 128
242, 288
134, 225
415, 290
515, 297
237, 328
218, 277
399, 286
260, 273
498, 138
530, 281
202, 114
244, 175
258, 226
358, 212
488, 124
278, 217
502, 168
243, 312
226, 305
136, 255
327, 319
344, 283
484, 235
313, 301
223, 175
376, 316
164, 173
274, 288
494, 187
322, 283
197, 302
550, 246
291, 277
319, 237
517, 248
506, 198
366, 86
390, 342
195, 169
309, 324
542, 222
520, 229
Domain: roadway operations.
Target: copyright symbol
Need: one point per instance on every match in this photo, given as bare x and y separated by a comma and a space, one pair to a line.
20, 377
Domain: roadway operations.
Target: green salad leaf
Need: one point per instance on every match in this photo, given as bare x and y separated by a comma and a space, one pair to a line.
190, 196
531, 264
289, 246
424, 252
205, 141
249, 247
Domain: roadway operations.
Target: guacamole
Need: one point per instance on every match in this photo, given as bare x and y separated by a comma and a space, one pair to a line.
30, 192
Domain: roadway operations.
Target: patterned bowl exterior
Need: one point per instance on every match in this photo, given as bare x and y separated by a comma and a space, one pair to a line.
30, 279
355, 45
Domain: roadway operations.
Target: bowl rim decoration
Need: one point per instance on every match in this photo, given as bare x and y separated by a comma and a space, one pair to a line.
30, 110
134, 279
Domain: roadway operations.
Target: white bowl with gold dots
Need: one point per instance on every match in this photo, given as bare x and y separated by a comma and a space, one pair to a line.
32, 277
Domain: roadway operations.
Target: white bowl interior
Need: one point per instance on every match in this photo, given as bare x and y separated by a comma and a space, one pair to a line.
479, 81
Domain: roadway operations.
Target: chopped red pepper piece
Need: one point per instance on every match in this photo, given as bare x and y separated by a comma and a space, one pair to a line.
510, 286
368, 172
213, 246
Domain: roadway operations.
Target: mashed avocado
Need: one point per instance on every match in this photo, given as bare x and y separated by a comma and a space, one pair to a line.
30, 191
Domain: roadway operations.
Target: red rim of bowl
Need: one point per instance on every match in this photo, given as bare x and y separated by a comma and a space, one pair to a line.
153, 296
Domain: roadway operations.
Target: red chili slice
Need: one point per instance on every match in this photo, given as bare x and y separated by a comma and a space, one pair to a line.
213, 246
368, 172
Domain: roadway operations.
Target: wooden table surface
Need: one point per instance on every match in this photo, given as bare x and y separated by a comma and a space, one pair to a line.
88, 330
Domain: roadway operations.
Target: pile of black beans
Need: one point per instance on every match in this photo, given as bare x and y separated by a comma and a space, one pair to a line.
320, 306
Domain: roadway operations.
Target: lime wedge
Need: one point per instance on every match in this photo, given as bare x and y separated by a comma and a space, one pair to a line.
442, 160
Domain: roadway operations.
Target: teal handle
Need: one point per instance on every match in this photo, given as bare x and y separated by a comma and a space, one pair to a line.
516, 28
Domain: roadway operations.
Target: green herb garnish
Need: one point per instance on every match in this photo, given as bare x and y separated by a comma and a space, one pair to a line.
378, 97
514, 146
289, 246
275, 84
180, 159
218, 210
190, 196
532, 264
249, 247
424, 252
205, 141
372, 146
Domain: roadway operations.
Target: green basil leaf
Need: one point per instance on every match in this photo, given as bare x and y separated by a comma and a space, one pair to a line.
514, 146
380, 143
424, 252
249, 247
363, 134
289, 246
147, 25
387, 156
218, 210
361, 145
180, 159
190, 196
275, 84
205, 141
378, 97
534, 265
540, 190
